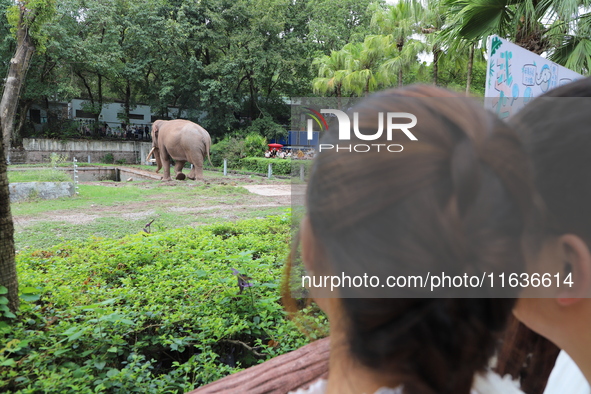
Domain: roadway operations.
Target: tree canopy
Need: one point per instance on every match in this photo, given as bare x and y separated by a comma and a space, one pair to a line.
231, 62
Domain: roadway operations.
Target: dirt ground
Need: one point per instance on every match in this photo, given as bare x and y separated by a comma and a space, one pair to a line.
261, 196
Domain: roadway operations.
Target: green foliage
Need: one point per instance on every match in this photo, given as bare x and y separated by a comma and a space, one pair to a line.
254, 145
32, 15
56, 159
334, 24
379, 60
244, 57
241, 57
4, 311
123, 161
108, 159
41, 175
150, 313
47, 173
230, 148
280, 166
558, 27
261, 165
234, 149
267, 127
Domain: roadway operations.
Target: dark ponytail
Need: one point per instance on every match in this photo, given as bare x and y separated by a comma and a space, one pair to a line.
458, 197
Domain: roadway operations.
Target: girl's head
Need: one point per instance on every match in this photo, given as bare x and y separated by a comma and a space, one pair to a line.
555, 129
455, 200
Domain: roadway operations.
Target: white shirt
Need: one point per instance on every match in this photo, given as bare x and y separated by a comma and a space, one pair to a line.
566, 377
488, 383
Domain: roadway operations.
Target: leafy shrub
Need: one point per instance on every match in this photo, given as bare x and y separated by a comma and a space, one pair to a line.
280, 166
261, 165
150, 313
229, 148
56, 159
255, 145
267, 127
108, 159
121, 161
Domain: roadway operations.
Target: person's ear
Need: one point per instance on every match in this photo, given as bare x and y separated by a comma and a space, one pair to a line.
575, 278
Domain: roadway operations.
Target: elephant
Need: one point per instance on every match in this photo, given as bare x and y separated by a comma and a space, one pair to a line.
183, 141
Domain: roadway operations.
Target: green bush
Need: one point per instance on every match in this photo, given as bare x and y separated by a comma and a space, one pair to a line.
121, 161
108, 159
150, 313
280, 166
255, 145
267, 127
229, 148
235, 148
55, 159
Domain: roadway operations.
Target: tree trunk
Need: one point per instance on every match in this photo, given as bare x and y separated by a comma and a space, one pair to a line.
127, 103
279, 375
8, 277
469, 74
436, 53
400, 47
100, 101
17, 139
17, 70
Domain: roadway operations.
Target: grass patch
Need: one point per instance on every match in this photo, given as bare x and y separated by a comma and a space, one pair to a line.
39, 175
116, 209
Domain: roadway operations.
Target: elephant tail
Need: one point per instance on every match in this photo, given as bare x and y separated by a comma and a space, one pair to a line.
208, 158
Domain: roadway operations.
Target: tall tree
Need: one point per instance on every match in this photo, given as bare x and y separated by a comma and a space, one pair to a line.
572, 43
432, 18
400, 21
92, 48
470, 68
27, 18
365, 59
332, 71
334, 23
461, 52
559, 27
518, 20
8, 277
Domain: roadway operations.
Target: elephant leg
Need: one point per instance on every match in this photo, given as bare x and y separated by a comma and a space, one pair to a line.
178, 169
192, 172
165, 164
158, 162
196, 158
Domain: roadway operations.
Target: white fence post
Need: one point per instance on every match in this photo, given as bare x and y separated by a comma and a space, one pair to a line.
76, 176
225, 167
270, 171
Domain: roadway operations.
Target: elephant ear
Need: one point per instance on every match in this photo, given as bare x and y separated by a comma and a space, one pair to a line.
155, 128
